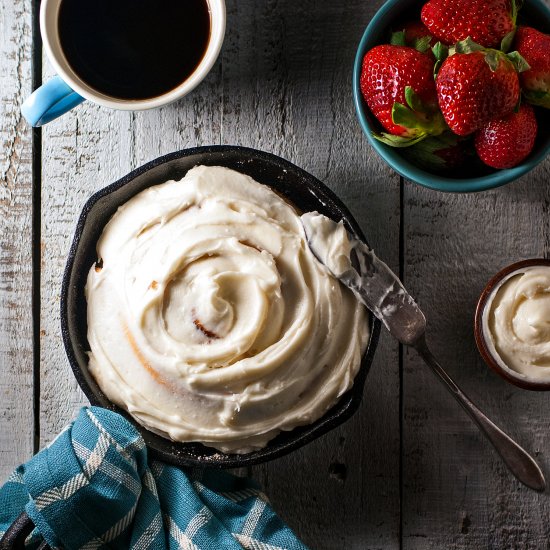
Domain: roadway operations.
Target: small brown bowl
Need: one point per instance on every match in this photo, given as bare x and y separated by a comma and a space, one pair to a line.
490, 355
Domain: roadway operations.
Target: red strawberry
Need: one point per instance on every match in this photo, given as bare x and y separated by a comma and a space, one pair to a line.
476, 87
486, 22
417, 35
442, 154
505, 142
534, 46
393, 77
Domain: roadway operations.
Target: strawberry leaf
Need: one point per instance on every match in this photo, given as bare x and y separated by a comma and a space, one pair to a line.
398, 38
540, 98
468, 46
404, 116
441, 52
518, 61
413, 100
492, 58
506, 42
515, 7
417, 122
439, 154
398, 141
424, 153
424, 158
536, 94
422, 44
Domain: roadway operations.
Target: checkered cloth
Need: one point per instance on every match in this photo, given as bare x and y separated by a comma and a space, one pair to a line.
93, 487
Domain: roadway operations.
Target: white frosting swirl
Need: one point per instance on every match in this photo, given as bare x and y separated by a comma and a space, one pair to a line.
209, 319
518, 322
329, 242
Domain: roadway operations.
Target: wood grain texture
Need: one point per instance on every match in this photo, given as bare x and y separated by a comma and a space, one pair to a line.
84, 151
81, 153
16, 348
285, 88
457, 492
282, 84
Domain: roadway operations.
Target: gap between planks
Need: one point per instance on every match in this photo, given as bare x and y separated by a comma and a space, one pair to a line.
36, 224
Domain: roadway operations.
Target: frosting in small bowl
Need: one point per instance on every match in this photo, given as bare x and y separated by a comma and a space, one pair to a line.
517, 322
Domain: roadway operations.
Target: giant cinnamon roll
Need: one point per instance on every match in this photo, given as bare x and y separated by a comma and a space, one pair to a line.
210, 320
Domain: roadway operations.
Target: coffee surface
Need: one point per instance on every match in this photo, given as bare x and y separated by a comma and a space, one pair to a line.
134, 49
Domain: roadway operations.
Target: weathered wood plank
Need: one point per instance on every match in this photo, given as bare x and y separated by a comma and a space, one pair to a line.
275, 90
16, 349
83, 152
287, 89
457, 493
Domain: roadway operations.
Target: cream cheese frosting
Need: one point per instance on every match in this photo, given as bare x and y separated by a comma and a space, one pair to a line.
518, 322
329, 241
210, 320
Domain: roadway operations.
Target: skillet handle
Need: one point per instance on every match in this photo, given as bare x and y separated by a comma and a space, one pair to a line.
14, 538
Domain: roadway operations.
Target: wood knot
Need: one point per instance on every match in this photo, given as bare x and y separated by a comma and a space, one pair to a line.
465, 523
338, 471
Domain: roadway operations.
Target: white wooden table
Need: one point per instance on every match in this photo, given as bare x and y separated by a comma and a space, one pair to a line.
409, 470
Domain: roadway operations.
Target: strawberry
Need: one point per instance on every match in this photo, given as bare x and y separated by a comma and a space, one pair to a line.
417, 36
486, 22
476, 85
534, 46
398, 86
505, 142
441, 154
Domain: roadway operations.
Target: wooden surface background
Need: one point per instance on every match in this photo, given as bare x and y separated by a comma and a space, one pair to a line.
409, 470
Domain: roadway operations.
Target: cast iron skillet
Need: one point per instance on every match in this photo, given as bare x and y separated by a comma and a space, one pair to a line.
302, 189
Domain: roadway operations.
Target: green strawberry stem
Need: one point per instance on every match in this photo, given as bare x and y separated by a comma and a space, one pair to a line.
398, 141
441, 52
540, 98
422, 44
506, 42
492, 57
467, 46
414, 101
516, 6
426, 154
431, 124
398, 38
518, 61
419, 121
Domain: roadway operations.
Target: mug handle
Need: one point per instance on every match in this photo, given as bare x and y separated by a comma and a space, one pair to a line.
50, 101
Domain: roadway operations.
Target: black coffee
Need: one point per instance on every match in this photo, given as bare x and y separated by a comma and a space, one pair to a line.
134, 49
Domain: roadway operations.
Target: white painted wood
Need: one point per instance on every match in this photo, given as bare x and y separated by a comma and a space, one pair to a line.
283, 85
16, 354
81, 153
457, 493
84, 151
285, 88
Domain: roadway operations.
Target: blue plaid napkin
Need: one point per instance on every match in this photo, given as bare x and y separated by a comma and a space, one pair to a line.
93, 487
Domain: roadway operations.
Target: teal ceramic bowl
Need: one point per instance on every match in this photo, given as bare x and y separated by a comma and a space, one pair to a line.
377, 32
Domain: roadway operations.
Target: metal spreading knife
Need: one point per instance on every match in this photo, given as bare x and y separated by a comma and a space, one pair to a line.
376, 286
